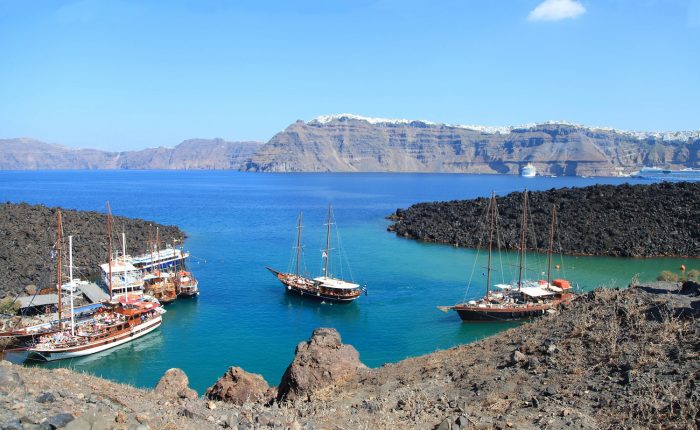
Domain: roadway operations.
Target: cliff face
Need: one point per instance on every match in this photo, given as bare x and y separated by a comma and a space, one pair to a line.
29, 154
355, 144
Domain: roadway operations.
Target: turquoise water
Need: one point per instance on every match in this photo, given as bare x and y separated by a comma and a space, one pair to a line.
240, 222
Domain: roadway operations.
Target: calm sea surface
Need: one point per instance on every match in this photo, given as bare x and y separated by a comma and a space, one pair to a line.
238, 223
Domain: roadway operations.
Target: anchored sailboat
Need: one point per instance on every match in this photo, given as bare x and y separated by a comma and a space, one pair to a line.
523, 300
325, 287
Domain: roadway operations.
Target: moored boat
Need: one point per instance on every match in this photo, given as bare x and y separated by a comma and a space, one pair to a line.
115, 324
112, 323
325, 287
524, 300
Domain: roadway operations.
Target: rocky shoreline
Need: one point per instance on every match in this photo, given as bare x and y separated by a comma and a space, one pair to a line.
29, 232
613, 359
656, 220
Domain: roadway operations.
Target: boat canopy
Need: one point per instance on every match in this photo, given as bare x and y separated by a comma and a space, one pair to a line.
87, 308
536, 292
118, 266
336, 283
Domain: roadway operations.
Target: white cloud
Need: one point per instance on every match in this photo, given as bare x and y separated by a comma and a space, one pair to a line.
556, 10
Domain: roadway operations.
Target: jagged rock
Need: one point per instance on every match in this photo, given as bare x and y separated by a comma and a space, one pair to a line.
321, 362
175, 384
9, 380
12, 425
238, 386
59, 420
30, 289
46, 398
446, 424
517, 357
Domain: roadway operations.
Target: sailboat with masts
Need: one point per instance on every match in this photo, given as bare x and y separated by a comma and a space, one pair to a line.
523, 300
159, 283
113, 324
325, 287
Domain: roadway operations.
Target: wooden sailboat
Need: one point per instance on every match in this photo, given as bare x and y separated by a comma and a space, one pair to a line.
187, 284
160, 283
523, 301
113, 323
325, 287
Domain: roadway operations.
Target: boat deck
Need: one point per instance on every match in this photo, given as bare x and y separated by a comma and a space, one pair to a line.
93, 292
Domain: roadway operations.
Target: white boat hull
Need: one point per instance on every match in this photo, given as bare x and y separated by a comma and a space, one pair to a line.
80, 351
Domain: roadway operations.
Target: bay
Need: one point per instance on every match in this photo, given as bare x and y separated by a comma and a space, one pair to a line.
238, 223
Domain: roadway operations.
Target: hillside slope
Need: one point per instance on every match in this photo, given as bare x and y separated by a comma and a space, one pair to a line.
614, 359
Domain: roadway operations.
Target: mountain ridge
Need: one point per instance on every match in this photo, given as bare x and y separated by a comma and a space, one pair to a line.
354, 143
31, 154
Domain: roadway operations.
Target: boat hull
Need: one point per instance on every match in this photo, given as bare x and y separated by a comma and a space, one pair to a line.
94, 347
489, 314
308, 291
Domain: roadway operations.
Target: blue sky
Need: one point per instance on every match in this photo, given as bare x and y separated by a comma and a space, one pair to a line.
122, 74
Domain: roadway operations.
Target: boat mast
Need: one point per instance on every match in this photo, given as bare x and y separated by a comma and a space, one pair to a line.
492, 216
109, 247
523, 228
124, 255
150, 247
158, 248
58, 275
551, 243
72, 284
298, 243
328, 243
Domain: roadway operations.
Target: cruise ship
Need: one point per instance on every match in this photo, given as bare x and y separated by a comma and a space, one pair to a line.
658, 173
528, 171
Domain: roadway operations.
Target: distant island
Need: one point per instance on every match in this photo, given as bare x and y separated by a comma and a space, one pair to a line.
351, 143
655, 220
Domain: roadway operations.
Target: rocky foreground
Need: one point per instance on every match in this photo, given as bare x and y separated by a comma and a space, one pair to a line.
616, 220
614, 359
28, 234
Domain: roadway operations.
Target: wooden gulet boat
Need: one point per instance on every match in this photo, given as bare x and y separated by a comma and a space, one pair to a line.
326, 287
114, 323
187, 285
516, 303
159, 284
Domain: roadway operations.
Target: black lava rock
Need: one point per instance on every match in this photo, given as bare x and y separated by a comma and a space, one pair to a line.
28, 235
617, 220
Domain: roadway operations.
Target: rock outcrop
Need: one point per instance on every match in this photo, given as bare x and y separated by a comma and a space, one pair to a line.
174, 384
29, 154
321, 362
238, 386
28, 233
625, 220
347, 143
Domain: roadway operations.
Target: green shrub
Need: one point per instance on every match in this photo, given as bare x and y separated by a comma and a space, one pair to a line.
667, 275
694, 275
9, 306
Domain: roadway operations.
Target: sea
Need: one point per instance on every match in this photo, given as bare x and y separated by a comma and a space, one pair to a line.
238, 223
